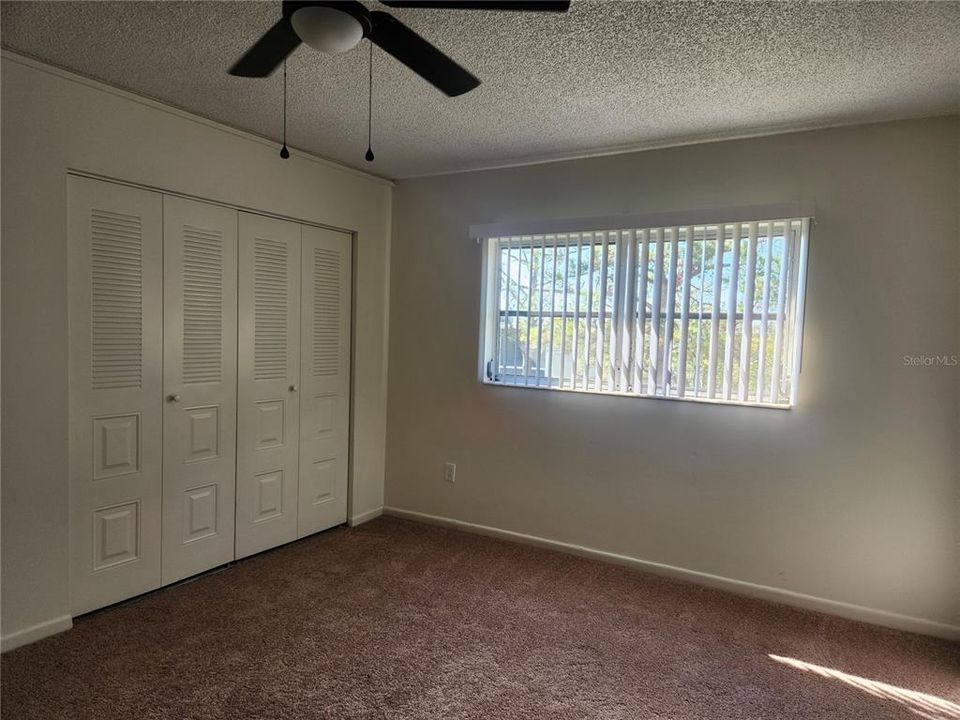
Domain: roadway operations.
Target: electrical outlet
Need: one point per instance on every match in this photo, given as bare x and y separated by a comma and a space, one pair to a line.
450, 472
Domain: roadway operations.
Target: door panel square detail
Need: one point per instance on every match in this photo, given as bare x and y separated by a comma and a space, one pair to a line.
203, 433
116, 535
269, 424
324, 413
199, 513
323, 478
269, 495
116, 446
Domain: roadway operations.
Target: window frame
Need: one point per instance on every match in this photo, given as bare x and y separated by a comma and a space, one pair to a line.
490, 312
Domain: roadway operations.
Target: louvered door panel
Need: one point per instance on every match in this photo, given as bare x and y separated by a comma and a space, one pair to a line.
115, 268
200, 381
323, 269
205, 271
325, 378
269, 374
271, 303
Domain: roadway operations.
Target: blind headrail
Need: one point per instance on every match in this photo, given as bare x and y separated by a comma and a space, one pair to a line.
652, 220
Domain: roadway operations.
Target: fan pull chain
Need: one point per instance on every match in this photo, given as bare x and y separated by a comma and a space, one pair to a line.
284, 153
369, 154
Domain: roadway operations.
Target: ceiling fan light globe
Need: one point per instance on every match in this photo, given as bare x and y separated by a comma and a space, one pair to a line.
327, 29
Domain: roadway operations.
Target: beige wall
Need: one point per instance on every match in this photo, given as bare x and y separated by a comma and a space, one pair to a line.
52, 122
853, 496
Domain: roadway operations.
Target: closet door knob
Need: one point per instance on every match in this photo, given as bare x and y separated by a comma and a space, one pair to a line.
173, 398
293, 388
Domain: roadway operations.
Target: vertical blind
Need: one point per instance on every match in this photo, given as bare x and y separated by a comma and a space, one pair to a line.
703, 312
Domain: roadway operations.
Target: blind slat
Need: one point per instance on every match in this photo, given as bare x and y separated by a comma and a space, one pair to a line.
563, 316
543, 262
799, 293
715, 315
629, 312
641, 279
553, 309
732, 295
685, 313
668, 325
765, 312
506, 320
587, 360
656, 368
748, 294
526, 359
602, 323
619, 320
781, 311
576, 313
697, 380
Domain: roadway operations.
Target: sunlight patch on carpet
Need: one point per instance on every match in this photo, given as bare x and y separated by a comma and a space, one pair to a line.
926, 706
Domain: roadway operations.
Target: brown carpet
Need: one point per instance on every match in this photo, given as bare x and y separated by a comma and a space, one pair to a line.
399, 620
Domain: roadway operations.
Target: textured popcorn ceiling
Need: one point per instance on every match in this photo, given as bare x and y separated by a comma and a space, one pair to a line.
606, 76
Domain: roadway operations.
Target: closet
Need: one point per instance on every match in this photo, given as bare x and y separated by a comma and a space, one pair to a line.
209, 386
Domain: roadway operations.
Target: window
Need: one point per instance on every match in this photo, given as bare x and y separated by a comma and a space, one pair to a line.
709, 312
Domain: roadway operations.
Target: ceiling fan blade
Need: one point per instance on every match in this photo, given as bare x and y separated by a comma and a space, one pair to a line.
518, 5
268, 52
420, 56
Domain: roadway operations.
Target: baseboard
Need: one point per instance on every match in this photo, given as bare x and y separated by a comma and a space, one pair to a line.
361, 518
35, 632
58, 625
740, 587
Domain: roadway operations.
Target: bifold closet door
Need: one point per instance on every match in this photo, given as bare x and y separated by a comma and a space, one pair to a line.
325, 378
268, 383
115, 293
200, 386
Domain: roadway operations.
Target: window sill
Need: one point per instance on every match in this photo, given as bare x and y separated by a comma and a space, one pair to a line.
634, 396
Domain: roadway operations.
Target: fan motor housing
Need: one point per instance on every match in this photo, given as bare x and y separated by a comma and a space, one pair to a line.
350, 7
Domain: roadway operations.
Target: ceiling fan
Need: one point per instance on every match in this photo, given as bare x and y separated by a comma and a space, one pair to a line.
337, 26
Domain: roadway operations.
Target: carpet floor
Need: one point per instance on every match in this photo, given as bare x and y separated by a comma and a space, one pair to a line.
394, 619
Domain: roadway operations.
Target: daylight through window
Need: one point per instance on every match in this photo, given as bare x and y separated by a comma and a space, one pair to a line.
703, 312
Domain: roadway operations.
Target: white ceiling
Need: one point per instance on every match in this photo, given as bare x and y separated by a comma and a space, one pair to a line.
605, 76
